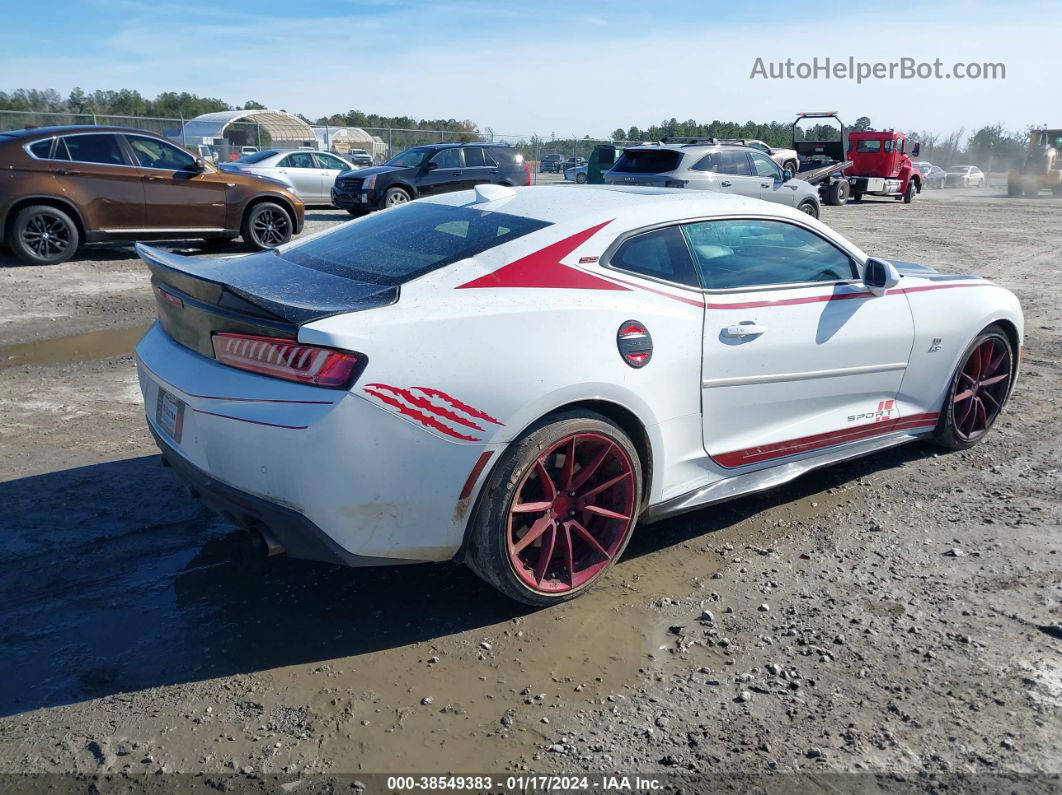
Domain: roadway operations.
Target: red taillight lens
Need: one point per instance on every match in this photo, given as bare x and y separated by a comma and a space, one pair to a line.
288, 359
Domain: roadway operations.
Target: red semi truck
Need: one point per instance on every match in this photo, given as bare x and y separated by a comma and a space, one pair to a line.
856, 163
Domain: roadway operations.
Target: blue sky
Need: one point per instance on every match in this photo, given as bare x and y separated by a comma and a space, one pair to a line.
546, 67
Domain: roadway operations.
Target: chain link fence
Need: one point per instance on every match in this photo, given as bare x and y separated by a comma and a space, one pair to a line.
546, 157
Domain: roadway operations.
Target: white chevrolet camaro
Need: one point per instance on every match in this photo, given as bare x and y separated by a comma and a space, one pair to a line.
515, 378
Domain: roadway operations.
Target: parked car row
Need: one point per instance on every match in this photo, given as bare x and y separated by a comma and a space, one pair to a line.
955, 177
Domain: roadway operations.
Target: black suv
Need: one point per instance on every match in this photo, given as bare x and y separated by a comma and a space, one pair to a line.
427, 170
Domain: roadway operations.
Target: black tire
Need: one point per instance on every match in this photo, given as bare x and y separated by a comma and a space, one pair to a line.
809, 207
266, 225
396, 196
838, 193
1056, 191
857, 196
909, 194
791, 166
43, 235
1013, 188
488, 541
580, 178
948, 432
357, 212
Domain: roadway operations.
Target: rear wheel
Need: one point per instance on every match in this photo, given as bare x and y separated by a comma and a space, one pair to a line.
266, 225
978, 390
558, 510
791, 166
809, 207
838, 193
580, 178
857, 196
43, 235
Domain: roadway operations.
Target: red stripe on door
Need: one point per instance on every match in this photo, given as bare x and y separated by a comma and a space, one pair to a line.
804, 444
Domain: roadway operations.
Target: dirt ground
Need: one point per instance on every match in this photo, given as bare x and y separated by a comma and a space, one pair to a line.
898, 615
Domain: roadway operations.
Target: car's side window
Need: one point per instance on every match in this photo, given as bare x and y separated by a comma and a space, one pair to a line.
474, 156
42, 149
151, 153
448, 158
734, 163
330, 161
94, 148
753, 253
658, 254
298, 160
765, 167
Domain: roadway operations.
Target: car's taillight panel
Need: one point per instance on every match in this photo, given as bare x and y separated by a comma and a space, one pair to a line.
289, 359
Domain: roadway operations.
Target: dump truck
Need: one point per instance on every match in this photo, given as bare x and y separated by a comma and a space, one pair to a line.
1041, 167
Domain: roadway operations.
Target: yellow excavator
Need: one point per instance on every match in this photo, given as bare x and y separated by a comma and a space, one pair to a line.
1041, 167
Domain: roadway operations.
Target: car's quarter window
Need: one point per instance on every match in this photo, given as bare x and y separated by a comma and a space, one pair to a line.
42, 149
448, 158
753, 253
298, 160
152, 153
94, 148
474, 156
658, 254
405, 242
330, 161
764, 166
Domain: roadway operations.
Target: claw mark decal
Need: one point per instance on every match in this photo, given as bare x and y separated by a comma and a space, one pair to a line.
434, 409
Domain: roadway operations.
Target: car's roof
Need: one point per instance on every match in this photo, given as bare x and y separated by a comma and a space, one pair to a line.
685, 147
47, 132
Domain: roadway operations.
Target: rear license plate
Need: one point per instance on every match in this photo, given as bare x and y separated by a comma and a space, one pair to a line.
169, 414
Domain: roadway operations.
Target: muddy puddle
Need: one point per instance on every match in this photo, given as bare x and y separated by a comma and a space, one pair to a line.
73, 348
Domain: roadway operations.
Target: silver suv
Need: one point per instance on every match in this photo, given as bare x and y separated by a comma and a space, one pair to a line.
724, 168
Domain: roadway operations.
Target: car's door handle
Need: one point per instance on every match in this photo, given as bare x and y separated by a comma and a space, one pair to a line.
726, 183
765, 184
744, 330
791, 187
152, 177
69, 172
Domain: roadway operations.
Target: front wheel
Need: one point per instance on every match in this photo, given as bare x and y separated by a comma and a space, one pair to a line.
395, 196
978, 391
265, 226
558, 510
909, 194
43, 235
809, 207
580, 179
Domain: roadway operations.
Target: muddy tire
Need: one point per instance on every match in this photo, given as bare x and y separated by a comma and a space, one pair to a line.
909, 194
557, 510
43, 235
978, 392
838, 193
265, 226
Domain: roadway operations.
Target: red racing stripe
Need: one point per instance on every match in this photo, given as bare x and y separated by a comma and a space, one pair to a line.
423, 419
804, 444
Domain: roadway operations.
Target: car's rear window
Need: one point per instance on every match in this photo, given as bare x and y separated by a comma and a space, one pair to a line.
398, 245
257, 157
648, 161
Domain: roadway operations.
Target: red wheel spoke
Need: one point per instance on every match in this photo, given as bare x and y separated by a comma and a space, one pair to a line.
586, 536
995, 379
549, 490
545, 554
959, 398
569, 467
599, 511
532, 507
600, 487
590, 468
569, 554
967, 413
991, 397
969, 379
997, 363
536, 530
981, 423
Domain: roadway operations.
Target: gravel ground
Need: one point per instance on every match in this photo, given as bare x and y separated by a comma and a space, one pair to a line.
899, 614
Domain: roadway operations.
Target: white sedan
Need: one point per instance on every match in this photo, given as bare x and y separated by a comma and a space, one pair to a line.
515, 378
310, 174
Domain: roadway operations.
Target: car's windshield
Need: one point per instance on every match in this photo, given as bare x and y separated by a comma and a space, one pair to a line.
393, 247
411, 158
648, 161
257, 157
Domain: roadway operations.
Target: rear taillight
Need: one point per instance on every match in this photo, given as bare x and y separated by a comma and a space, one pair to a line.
288, 359
527, 170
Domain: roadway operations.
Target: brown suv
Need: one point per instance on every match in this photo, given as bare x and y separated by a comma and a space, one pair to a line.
64, 186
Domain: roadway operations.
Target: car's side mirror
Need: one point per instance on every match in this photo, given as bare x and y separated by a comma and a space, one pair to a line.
879, 275
787, 175
917, 148
200, 165
431, 165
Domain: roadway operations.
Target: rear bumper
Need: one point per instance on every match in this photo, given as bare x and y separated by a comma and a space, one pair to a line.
299, 537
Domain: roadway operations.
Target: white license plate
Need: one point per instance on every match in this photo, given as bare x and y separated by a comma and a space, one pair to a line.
169, 414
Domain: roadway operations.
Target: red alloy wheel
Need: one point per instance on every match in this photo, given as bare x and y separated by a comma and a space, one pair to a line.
572, 513
980, 389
